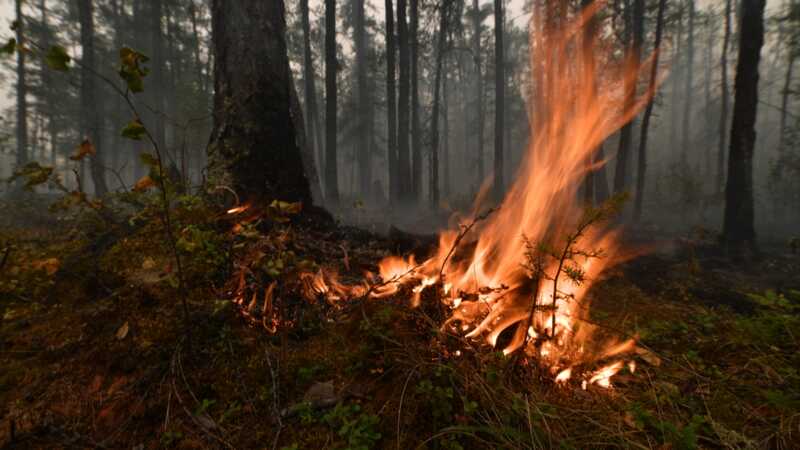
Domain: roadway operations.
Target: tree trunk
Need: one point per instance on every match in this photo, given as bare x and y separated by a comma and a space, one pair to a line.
648, 112
363, 116
416, 132
446, 133
708, 132
310, 91
688, 93
636, 35
156, 90
331, 127
499, 107
254, 147
739, 229
723, 114
391, 104
22, 92
434, 155
673, 122
589, 35
785, 93
90, 117
476, 49
406, 192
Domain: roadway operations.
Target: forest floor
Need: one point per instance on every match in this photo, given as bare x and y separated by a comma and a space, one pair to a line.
94, 350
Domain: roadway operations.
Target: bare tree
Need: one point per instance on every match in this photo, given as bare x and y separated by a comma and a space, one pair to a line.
391, 103
499, 107
22, 91
739, 228
648, 112
723, 114
331, 127
90, 118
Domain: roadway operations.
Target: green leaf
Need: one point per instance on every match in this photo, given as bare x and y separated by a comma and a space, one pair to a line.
148, 160
9, 47
14, 25
134, 130
57, 58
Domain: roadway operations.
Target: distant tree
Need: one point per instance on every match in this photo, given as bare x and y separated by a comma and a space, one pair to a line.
405, 182
499, 109
91, 123
254, 147
739, 228
723, 114
391, 103
22, 91
648, 112
635, 36
416, 131
363, 116
688, 89
437, 83
476, 54
331, 108
310, 89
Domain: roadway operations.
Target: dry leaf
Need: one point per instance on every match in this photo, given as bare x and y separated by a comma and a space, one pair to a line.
148, 264
85, 149
144, 184
123, 331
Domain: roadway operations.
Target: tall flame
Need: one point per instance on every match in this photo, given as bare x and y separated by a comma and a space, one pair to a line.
489, 290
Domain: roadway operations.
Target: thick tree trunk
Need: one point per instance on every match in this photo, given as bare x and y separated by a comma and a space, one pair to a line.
403, 162
476, 49
688, 92
254, 147
648, 112
499, 107
739, 228
723, 114
391, 104
633, 57
416, 131
331, 107
310, 91
90, 113
22, 92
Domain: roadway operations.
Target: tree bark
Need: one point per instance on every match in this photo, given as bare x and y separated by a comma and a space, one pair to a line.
254, 147
22, 91
785, 93
739, 228
391, 104
331, 107
499, 108
90, 117
648, 112
723, 114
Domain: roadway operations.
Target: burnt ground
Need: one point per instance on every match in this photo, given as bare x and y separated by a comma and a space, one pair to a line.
94, 350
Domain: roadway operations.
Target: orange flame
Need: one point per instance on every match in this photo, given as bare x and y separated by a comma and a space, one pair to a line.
490, 290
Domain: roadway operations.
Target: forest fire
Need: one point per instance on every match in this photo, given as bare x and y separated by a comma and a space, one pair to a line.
522, 282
